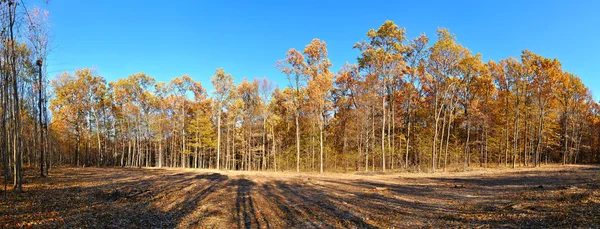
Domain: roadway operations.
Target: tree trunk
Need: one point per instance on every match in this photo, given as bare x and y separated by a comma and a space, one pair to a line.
42, 146
321, 127
383, 133
218, 138
273, 149
264, 144
18, 176
448, 135
297, 143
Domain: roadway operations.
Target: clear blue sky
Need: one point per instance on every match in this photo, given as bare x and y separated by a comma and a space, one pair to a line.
166, 39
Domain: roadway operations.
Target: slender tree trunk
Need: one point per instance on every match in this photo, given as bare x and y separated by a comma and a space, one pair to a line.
218, 138
227, 146
4, 103
467, 147
392, 133
383, 133
566, 138
98, 134
448, 135
516, 136
18, 178
264, 144
273, 149
297, 143
233, 154
367, 147
435, 132
344, 148
443, 132
321, 127
507, 135
160, 151
312, 147
42, 146
408, 128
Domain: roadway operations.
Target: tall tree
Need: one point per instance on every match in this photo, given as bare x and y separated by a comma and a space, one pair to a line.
294, 68
382, 54
319, 85
443, 65
223, 84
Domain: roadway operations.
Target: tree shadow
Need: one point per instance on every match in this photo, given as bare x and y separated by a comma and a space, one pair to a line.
156, 202
245, 209
305, 206
138, 198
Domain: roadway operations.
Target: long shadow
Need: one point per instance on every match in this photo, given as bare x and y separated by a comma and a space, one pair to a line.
320, 205
519, 180
163, 199
291, 214
130, 204
246, 213
410, 190
191, 203
417, 203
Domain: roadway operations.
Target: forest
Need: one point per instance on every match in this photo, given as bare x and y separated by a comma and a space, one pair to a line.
407, 104
512, 143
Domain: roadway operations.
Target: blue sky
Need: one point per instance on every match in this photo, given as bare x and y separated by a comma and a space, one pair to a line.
166, 39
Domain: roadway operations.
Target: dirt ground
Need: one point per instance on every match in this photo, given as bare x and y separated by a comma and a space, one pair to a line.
551, 196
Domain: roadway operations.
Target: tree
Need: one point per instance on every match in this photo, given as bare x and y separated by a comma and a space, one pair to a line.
344, 103
294, 67
265, 88
471, 72
223, 84
38, 35
545, 74
515, 76
415, 57
382, 54
443, 66
319, 86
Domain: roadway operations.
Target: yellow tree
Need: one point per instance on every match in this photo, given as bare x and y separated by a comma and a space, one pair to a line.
265, 88
294, 68
497, 72
345, 104
515, 76
248, 93
471, 70
223, 84
319, 86
545, 73
383, 54
415, 57
66, 107
443, 65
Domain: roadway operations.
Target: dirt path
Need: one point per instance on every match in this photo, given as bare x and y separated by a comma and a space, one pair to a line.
552, 196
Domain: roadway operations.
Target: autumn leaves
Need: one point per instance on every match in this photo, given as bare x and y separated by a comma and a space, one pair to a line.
404, 105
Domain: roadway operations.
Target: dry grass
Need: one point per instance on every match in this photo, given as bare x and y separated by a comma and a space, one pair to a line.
551, 196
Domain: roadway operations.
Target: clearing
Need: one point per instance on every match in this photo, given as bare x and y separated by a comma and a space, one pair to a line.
551, 196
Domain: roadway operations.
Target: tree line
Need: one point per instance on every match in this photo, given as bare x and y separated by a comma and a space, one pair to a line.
407, 104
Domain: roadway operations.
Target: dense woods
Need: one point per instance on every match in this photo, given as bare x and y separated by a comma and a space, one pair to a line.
406, 104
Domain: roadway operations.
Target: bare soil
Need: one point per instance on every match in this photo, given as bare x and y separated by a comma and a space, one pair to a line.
551, 196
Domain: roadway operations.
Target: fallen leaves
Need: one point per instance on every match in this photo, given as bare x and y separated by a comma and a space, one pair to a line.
119, 197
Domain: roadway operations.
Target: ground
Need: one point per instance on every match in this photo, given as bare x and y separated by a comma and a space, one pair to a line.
551, 196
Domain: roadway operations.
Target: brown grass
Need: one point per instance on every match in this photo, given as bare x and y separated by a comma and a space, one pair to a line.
551, 196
